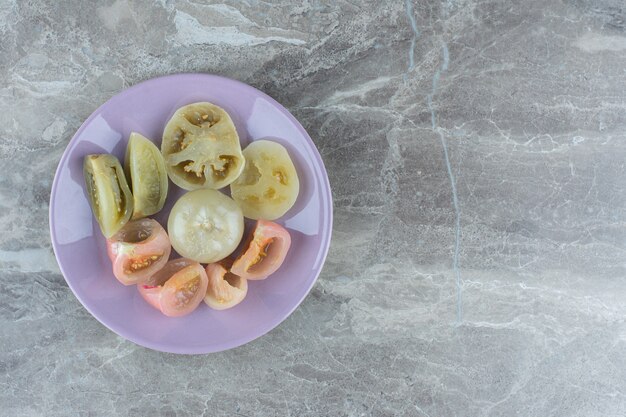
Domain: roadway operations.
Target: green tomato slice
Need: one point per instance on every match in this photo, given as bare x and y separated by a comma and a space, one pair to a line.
205, 225
109, 195
145, 169
268, 186
201, 147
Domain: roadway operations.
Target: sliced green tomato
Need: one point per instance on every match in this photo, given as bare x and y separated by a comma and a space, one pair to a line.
205, 225
268, 186
109, 195
145, 169
201, 147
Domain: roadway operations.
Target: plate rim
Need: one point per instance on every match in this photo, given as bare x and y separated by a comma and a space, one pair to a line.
203, 349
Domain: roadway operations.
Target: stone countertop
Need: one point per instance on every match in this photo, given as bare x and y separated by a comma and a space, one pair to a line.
476, 153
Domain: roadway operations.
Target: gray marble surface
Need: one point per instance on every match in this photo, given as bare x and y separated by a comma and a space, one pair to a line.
476, 153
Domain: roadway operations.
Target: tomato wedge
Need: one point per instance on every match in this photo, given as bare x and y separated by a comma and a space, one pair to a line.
264, 253
145, 170
138, 250
225, 289
177, 289
110, 198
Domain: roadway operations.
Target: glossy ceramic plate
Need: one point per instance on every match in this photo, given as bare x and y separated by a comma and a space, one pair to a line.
80, 247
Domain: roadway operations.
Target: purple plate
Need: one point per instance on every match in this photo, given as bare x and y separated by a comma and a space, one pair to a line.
80, 247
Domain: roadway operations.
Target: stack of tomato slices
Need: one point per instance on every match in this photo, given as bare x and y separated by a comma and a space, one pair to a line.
201, 153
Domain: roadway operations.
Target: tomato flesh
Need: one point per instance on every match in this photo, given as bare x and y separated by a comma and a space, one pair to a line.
265, 252
177, 289
225, 289
138, 250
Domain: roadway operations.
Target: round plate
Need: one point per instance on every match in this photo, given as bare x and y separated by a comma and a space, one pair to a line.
80, 247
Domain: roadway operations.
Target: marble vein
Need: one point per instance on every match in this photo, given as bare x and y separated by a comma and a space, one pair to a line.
413, 23
192, 32
455, 199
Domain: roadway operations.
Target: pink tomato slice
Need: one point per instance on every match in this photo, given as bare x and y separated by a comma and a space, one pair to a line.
225, 289
138, 250
264, 253
177, 289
